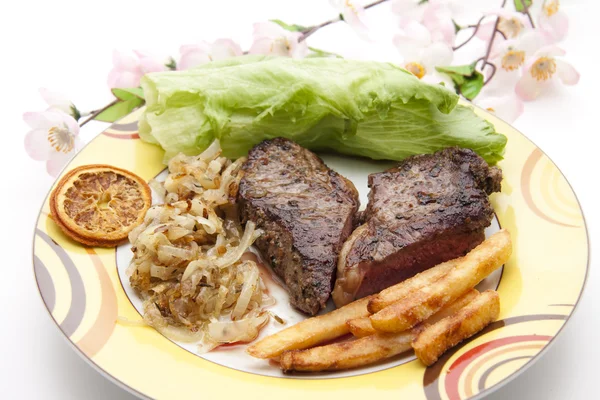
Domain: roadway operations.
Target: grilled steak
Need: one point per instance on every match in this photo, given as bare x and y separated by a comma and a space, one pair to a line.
429, 209
306, 211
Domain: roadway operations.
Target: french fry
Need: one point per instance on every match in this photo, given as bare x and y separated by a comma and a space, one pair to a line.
371, 347
344, 355
361, 327
423, 303
434, 340
395, 293
453, 307
310, 332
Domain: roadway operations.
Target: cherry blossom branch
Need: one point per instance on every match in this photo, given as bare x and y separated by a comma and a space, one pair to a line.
171, 65
486, 64
489, 49
374, 4
94, 114
526, 12
476, 26
315, 28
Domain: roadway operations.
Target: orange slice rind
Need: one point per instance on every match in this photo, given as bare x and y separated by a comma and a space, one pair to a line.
98, 205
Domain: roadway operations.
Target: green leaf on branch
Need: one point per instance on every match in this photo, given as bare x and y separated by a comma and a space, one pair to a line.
321, 53
171, 65
471, 88
125, 94
457, 27
119, 110
520, 4
467, 80
75, 113
458, 70
128, 100
291, 28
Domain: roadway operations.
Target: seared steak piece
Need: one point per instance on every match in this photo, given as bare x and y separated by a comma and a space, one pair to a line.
306, 211
429, 209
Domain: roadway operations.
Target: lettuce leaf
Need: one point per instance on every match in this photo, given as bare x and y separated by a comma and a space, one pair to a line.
369, 109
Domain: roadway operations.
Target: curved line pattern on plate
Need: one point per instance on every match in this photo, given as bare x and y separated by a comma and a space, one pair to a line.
433, 373
526, 177
477, 366
127, 127
123, 131
481, 384
453, 377
121, 135
77, 308
104, 325
560, 194
550, 188
45, 284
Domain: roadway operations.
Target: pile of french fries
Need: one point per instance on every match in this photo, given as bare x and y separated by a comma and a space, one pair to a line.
430, 313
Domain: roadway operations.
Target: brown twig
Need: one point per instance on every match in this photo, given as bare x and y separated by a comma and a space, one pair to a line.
489, 78
526, 12
315, 28
376, 3
486, 63
476, 26
491, 43
485, 58
98, 112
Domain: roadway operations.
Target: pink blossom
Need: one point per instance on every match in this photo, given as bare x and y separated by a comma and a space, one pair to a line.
508, 107
53, 138
511, 24
421, 54
509, 57
59, 102
542, 69
354, 16
435, 15
270, 38
552, 21
408, 11
129, 67
196, 54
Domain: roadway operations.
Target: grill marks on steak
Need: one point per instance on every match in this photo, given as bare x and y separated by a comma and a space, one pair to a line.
306, 211
427, 210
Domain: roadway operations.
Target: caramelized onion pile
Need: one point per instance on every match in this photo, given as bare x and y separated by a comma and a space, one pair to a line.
187, 256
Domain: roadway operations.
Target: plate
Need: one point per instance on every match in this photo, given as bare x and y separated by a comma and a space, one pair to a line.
88, 295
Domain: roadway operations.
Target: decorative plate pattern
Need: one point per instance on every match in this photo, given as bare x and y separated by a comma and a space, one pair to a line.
539, 288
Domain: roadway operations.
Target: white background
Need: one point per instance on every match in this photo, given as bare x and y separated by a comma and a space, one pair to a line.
67, 45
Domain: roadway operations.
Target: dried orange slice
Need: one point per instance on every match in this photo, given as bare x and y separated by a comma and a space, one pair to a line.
98, 205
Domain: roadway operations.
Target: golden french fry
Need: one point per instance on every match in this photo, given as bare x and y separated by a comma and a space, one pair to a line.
434, 340
311, 331
361, 327
453, 307
468, 272
395, 293
344, 355
369, 348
